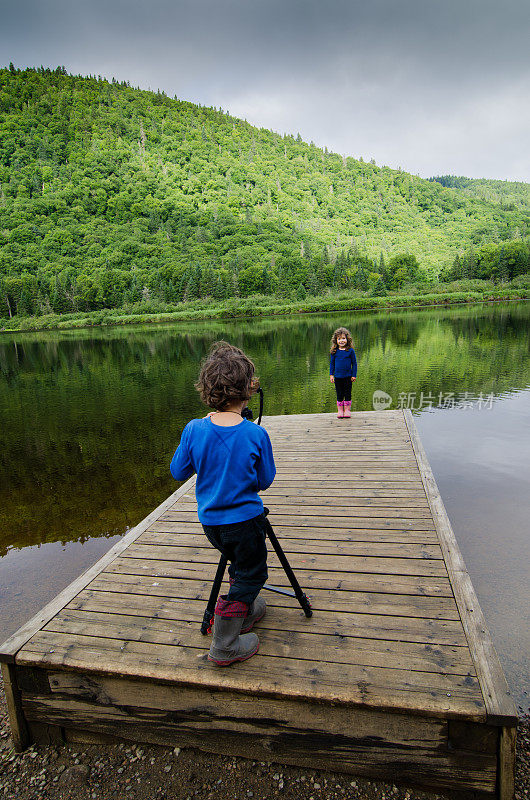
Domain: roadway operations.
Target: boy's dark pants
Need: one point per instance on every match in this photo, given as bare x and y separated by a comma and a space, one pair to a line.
343, 389
243, 544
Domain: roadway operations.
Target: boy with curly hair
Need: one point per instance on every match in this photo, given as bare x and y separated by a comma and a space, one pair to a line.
233, 460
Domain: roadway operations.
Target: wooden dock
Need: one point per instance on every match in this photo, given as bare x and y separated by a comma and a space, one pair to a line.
395, 676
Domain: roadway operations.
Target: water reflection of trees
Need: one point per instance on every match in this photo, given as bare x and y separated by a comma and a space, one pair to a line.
90, 419
507, 324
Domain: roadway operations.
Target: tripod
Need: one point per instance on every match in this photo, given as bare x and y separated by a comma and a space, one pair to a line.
295, 592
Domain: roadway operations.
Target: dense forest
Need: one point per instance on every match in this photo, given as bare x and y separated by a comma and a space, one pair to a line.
112, 196
508, 194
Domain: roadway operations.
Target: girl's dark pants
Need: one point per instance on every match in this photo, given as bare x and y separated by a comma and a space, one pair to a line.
243, 544
343, 389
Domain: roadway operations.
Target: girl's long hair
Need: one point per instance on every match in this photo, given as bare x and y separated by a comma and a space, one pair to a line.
345, 332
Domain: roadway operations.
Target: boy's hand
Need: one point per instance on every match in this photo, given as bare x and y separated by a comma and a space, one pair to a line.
353, 379
332, 378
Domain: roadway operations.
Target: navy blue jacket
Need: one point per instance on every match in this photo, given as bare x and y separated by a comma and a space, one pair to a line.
343, 364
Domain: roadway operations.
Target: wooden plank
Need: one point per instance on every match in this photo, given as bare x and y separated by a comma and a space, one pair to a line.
332, 596
350, 447
45, 734
327, 418
352, 461
378, 564
366, 736
359, 686
377, 440
9, 648
340, 624
389, 627
344, 649
344, 546
449, 658
322, 521
274, 643
391, 535
355, 601
350, 476
357, 451
347, 548
294, 481
421, 585
268, 730
358, 600
355, 581
415, 506
188, 557
320, 425
506, 771
32, 681
368, 499
344, 511
402, 493
427, 657
233, 708
17, 721
497, 697
472, 736
320, 509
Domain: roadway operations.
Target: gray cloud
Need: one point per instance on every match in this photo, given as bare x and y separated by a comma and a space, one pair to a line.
432, 86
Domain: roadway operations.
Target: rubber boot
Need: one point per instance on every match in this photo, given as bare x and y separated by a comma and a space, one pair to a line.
347, 409
228, 645
255, 613
340, 409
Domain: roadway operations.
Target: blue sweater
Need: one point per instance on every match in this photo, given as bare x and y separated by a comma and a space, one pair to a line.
232, 464
343, 364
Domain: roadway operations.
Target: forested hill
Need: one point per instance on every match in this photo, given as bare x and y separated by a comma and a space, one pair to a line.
110, 194
509, 194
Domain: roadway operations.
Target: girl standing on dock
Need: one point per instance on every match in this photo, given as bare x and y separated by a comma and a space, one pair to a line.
342, 369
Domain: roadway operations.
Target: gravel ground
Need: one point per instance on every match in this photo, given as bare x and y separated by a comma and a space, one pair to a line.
146, 772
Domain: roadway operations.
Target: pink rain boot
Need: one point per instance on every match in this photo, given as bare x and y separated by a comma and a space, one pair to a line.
347, 409
340, 409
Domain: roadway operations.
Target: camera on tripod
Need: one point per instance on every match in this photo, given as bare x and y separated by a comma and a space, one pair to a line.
246, 413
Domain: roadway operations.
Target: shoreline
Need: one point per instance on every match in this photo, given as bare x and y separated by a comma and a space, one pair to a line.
230, 311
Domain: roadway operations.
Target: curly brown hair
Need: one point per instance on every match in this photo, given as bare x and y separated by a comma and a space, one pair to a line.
345, 332
226, 376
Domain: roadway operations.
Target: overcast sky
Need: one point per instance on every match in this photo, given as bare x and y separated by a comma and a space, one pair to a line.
433, 86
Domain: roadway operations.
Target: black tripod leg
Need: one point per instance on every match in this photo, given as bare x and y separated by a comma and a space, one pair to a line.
214, 594
299, 594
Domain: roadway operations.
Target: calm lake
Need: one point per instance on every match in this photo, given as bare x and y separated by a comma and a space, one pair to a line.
90, 420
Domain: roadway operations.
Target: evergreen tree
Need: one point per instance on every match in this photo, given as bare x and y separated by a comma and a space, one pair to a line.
379, 289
